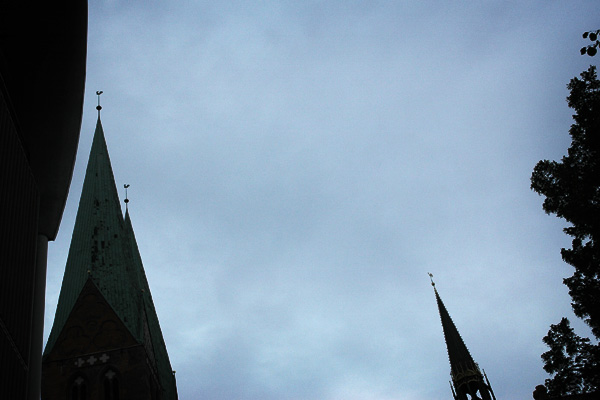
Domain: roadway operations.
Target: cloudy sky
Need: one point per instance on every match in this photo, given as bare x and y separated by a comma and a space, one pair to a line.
297, 168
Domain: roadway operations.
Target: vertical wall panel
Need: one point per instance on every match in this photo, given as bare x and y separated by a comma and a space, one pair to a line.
19, 200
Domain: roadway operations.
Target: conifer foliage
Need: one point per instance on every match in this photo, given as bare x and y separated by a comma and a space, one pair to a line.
572, 360
572, 191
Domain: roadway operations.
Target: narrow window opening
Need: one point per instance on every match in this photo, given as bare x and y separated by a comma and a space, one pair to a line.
79, 389
111, 385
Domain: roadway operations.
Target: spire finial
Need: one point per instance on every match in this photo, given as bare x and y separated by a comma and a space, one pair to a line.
126, 199
431, 277
99, 107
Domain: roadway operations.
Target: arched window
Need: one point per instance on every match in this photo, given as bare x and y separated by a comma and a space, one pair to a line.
111, 385
78, 389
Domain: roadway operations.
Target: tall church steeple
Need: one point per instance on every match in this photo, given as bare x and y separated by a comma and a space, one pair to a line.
106, 336
467, 379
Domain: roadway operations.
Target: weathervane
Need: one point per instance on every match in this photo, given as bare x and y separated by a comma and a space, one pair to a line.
431, 277
99, 107
126, 199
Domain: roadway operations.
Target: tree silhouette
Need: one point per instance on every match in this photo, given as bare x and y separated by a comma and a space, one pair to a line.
572, 360
591, 49
572, 191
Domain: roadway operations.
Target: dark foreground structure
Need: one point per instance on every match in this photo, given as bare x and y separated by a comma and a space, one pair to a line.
42, 75
106, 342
467, 379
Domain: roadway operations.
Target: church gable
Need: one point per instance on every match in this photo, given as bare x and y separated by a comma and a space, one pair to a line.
91, 327
95, 352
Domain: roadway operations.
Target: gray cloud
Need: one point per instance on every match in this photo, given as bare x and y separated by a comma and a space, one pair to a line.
296, 169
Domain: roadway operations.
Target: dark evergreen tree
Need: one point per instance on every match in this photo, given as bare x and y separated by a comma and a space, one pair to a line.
571, 359
572, 191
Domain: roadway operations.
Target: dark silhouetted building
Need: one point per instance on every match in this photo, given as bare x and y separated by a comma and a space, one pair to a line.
106, 341
467, 379
42, 75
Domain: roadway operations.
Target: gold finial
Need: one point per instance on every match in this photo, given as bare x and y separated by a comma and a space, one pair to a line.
98, 107
126, 199
431, 277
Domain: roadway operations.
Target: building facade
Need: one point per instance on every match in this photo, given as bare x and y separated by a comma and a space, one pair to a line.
42, 75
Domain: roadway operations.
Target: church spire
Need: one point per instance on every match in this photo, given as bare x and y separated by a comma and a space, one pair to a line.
153, 334
104, 264
96, 249
467, 379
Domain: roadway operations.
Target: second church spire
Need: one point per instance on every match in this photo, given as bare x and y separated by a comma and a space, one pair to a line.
467, 379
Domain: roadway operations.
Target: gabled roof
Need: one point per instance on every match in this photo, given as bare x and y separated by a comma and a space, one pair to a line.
104, 249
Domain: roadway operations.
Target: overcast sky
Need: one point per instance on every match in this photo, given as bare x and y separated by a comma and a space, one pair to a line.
297, 168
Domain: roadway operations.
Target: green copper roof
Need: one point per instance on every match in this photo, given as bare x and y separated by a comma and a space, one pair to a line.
103, 248
163, 365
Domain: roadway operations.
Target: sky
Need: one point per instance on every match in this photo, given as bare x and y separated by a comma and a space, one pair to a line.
297, 168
